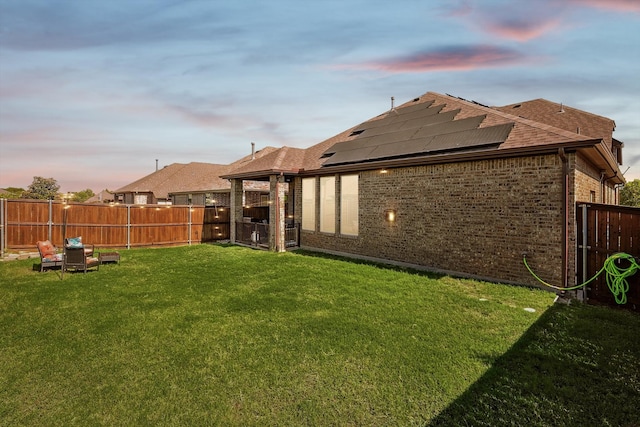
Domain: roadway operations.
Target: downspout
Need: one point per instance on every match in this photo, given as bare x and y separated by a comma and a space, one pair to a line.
565, 217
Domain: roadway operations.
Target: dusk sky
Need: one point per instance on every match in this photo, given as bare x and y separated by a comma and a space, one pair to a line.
93, 92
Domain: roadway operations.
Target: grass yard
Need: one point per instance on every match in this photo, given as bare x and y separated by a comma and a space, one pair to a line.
224, 335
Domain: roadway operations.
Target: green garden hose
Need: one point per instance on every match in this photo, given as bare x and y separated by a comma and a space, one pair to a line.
616, 276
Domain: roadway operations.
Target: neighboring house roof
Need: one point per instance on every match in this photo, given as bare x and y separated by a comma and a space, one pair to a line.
179, 177
190, 177
102, 197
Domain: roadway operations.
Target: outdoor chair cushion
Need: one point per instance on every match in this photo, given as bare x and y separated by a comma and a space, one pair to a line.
74, 242
52, 258
47, 250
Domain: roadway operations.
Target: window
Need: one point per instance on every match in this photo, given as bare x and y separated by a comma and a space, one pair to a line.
309, 204
328, 204
349, 205
140, 199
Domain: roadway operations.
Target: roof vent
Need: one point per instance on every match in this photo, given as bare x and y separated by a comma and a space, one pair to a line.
517, 106
392, 99
561, 108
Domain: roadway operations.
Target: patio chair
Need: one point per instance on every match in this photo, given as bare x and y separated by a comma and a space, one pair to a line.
49, 256
75, 259
76, 242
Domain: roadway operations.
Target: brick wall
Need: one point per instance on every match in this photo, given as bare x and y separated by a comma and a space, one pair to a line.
476, 218
588, 185
587, 182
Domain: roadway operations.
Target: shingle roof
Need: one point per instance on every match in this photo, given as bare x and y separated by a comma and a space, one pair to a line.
563, 117
190, 177
434, 125
180, 177
282, 160
101, 197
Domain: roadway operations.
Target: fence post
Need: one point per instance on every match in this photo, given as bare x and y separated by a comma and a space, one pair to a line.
582, 294
128, 226
3, 242
189, 226
50, 222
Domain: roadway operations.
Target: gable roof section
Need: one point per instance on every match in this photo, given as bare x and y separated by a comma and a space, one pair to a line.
285, 160
190, 177
179, 177
563, 117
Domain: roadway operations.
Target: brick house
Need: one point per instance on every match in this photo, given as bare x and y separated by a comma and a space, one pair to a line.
447, 184
194, 183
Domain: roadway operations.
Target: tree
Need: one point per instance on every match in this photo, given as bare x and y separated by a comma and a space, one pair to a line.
630, 193
83, 196
42, 188
12, 193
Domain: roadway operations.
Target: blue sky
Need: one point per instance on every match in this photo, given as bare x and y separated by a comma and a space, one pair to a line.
92, 92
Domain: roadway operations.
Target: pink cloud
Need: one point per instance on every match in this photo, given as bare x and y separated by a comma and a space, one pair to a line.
457, 58
615, 5
536, 19
521, 30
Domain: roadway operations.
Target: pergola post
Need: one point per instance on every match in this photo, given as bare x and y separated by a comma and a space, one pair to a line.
236, 213
276, 213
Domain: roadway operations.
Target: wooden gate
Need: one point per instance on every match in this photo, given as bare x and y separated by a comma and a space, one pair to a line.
604, 230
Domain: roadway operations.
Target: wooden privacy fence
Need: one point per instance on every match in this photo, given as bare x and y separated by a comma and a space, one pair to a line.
604, 230
24, 222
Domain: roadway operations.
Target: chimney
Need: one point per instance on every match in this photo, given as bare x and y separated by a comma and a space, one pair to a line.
253, 151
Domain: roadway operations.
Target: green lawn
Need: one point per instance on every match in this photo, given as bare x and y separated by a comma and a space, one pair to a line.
215, 335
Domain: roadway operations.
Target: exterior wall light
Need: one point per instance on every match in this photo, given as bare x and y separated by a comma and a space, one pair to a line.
390, 215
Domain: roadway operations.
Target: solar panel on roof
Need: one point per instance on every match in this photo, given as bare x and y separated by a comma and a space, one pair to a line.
450, 127
406, 148
415, 130
470, 138
424, 113
414, 107
349, 145
417, 122
399, 115
350, 156
386, 138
